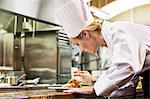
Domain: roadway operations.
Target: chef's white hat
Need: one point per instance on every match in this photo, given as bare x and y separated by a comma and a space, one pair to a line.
74, 16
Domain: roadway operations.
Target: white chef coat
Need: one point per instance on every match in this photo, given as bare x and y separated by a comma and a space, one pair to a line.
129, 43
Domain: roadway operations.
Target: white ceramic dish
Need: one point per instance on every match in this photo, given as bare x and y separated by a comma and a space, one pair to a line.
58, 89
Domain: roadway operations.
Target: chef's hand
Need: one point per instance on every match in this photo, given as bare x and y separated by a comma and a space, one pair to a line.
87, 77
84, 90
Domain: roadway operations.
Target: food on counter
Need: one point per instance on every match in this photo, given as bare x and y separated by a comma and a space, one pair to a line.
72, 83
83, 84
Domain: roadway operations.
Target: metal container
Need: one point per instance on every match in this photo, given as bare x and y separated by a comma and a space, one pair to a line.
12, 80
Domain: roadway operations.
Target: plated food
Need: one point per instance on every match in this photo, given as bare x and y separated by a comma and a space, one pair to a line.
72, 83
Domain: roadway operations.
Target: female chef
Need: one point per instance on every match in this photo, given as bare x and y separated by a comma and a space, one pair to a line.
130, 44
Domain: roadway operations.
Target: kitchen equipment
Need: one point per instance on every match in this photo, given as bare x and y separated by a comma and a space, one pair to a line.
12, 80
29, 82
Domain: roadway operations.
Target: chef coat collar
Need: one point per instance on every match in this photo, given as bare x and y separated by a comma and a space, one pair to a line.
105, 30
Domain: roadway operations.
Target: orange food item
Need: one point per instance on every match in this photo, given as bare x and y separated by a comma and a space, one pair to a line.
72, 83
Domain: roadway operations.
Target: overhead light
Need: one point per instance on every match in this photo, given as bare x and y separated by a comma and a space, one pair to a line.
98, 13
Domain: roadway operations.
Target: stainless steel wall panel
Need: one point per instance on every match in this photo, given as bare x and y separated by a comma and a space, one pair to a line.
41, 56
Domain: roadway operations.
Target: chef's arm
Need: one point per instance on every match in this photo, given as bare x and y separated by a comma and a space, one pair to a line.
112, 79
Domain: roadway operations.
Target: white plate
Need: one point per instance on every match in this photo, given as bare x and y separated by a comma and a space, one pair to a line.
58, 89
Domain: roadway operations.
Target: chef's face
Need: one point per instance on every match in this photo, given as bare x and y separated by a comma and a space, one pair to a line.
85, 42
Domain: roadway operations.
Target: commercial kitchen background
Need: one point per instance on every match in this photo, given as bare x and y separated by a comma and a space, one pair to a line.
33, 42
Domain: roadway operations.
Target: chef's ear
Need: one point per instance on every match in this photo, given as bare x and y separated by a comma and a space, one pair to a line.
85, 33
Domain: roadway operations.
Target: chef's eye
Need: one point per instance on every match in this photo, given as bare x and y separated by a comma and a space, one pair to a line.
77, 44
